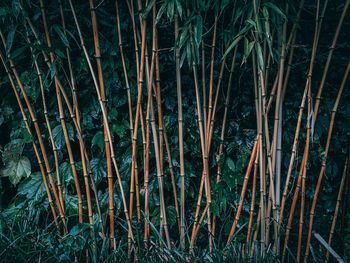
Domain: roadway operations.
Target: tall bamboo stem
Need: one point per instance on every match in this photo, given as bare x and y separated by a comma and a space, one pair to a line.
25, 119
324, 161
104, 119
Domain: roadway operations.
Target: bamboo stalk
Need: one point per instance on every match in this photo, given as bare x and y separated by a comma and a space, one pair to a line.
25, 119
329, 58
76, 120
162, 134
104, 119
180, 124
324, 162
244, 188
303, 178
223, 126
106, 139
120, 43
64, 128
336, 210
37, 130
252, 204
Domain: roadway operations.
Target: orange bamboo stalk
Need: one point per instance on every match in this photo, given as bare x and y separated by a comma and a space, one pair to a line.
103, 97
25, 119
336, 211
324, 162
64, 127
104, 119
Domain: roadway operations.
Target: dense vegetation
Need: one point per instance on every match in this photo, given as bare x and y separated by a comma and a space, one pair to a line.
174, 130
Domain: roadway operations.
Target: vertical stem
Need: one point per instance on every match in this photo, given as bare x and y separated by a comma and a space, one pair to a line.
181, 143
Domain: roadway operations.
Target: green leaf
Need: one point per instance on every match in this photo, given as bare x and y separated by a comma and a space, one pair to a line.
17, 169
148, 9
61, 35
99, 168
260, 56
275, 8
231, 164
33, 187
234, 43
17, 52
77, 229
199, 29
9, 39
3, 11
160, 12
258, 26
178, 7
53, 69
214, 208
58, 135
170, 10
16, 7
98, 140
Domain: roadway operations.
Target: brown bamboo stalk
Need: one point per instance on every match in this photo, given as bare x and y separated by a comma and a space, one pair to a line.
324, 162
104, 119
180, 124
54, 149
252, 204
244, 188
223, 126
120, 43
301, 108
106, 139
303, 179
25, 119
76, 120
329, 58
202, 140
163, 135
64, 127
150, 120
37, 130
336, 211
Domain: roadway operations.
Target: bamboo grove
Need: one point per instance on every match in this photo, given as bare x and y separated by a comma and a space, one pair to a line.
178, 130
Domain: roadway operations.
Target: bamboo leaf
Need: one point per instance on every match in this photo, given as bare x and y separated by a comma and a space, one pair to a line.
234, 43
61, 35
260, 56
9, 39
53, 69
258, 25
170, 10
199, 29
148, 8
160, 12
275, 8
17, 52
178, 7
16, 7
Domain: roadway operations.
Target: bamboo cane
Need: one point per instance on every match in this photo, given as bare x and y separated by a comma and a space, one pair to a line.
106, 139
104, 119
180, 124
336, 211
120, 43
64, 128
25, 119
162, 134
76, 120
37, 130
252, 204
324, 162
223, 126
